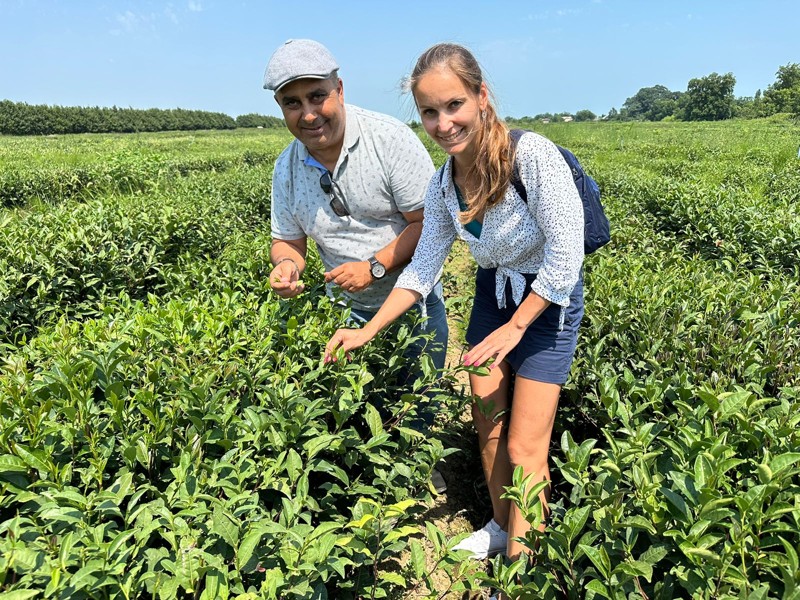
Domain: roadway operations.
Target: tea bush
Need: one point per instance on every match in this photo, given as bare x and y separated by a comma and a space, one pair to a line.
199, 446
167, 428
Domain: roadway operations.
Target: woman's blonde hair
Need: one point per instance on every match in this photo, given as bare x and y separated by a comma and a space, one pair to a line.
494, 160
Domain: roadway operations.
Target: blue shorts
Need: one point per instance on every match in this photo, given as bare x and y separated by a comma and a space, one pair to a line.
546, 350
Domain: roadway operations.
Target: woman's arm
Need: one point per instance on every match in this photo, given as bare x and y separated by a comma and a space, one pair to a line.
398, 302
555, 203
505, 338
418, 278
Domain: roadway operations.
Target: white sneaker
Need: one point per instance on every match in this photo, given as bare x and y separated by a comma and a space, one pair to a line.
488, 541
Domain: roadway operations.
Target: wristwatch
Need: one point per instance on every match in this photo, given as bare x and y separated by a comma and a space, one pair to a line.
376, 268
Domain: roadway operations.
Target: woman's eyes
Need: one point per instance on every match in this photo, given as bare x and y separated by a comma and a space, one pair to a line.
452, 106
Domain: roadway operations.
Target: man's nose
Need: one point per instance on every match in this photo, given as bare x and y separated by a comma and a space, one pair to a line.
309, 113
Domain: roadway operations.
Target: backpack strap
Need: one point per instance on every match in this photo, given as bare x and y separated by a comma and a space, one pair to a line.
516, 181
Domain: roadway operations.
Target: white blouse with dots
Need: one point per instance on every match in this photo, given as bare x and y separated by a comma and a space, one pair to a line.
543, 236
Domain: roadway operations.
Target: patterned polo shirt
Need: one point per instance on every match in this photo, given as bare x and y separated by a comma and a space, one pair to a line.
382, 171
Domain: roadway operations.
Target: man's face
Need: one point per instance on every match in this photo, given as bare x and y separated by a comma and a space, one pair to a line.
314, 112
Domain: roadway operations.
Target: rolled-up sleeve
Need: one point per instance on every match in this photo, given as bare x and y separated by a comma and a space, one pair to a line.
438, 235
283, 222
557, 207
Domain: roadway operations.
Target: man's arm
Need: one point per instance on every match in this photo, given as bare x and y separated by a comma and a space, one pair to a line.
289, 260
356, 276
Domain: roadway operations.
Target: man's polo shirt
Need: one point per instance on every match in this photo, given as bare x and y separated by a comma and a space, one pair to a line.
383, 170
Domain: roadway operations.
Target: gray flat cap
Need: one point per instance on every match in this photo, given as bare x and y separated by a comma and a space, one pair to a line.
298, 59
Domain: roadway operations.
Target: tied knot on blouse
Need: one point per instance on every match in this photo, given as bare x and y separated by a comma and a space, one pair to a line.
517, 285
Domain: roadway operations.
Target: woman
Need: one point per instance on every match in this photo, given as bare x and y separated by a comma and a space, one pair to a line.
528, 291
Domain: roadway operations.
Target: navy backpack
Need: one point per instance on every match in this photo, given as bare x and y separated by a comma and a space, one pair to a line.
596, 230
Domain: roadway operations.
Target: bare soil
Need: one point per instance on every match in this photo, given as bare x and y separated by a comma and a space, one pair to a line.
465, 506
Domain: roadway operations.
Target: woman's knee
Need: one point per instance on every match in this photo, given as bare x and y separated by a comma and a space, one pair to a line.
531, 457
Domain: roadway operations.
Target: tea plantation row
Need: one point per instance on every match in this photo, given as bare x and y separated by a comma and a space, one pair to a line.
679, 458
167, 428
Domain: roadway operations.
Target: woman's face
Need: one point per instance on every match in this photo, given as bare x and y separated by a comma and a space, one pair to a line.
450, 112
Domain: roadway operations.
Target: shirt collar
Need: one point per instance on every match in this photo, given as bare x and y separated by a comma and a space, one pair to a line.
310, 161
352, 129
447, 175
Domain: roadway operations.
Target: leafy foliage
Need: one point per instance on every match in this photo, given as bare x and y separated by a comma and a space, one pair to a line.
709, 98
167, 428
652, 103
20, 118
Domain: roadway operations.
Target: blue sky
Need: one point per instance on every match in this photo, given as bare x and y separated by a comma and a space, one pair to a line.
539, 56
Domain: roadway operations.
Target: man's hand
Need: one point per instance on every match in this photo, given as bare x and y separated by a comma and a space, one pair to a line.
285, 279
351, 276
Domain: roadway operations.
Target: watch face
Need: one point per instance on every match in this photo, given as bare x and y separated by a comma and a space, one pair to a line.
378, 270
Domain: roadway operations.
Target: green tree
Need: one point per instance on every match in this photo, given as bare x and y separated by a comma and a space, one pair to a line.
652, 103
585, 115
256, 120
784, 94
709, 98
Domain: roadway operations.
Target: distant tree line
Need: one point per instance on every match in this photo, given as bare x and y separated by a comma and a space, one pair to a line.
256, 120
19, 118
708, 98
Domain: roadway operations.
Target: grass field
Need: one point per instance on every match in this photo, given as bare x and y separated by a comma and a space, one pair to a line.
167, 428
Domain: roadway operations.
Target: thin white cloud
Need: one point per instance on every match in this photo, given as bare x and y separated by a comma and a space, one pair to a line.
170, 14
549, 15
128, 20
195, 6
131, 22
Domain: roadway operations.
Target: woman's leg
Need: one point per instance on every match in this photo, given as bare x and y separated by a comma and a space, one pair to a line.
528, 444
492, 393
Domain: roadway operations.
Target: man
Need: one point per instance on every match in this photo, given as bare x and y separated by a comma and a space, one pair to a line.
353, 181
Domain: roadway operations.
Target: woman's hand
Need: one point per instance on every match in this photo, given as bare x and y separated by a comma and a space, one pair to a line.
505, 338
496, 345
346, 339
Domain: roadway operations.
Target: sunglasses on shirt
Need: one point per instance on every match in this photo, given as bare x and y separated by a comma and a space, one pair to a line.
329, 187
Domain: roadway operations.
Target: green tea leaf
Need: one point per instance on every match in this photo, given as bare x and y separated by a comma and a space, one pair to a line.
731, 403
417, 559
9, 462
394, 578
247, 547
783, 461
19, 594
599, 558
373, 419
224, 525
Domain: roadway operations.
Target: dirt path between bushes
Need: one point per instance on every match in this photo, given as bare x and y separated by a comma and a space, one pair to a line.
465, 505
